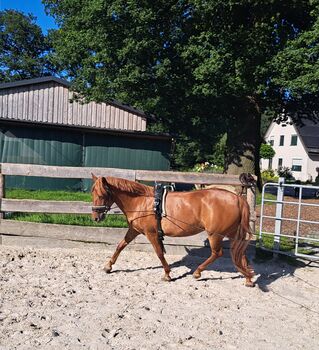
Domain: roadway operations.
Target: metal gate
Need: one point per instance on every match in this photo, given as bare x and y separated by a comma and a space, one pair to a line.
291, 227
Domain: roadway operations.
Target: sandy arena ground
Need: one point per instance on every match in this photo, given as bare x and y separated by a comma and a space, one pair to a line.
61, 299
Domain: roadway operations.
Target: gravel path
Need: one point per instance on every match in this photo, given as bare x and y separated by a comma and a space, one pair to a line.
61, 299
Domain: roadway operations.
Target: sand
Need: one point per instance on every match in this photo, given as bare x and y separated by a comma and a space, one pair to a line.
60, 298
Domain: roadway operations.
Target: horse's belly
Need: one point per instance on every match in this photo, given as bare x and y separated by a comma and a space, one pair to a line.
180, 229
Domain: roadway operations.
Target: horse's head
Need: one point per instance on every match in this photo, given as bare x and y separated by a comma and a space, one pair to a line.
101, 197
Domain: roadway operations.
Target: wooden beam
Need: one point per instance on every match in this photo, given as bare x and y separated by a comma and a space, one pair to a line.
141, 175
185, 177
251, 199
2, 191
41, 206
64, 172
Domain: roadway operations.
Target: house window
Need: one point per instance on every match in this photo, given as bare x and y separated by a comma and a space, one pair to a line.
279, 163
294, 139
282, 139
270, 164
296, 165
271, 141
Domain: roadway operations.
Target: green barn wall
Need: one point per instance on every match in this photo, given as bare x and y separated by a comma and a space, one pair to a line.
51, 146
41, 146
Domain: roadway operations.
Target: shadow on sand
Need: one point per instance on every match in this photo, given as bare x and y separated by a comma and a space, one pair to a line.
267, 267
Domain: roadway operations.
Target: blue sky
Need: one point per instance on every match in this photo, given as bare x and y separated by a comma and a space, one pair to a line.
30, 6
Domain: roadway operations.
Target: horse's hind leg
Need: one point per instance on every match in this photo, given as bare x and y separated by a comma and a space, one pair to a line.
215, 243
248, 275
130, 235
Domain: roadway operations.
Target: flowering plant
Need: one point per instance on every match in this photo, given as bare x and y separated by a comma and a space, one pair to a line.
207, 167
200, 167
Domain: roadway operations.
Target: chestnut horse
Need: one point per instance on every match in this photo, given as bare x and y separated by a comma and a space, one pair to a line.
220, 213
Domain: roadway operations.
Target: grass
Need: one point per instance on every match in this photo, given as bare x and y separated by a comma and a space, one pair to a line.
287, 244
49, 195
267, 196
65, 219
70, 219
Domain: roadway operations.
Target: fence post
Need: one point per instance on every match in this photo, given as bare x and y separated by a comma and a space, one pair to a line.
2, 193
279, 207
251, 199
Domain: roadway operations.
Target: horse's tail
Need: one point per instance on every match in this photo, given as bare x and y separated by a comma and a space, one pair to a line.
240, 242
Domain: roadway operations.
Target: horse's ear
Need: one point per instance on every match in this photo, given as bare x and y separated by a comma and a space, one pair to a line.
94, 178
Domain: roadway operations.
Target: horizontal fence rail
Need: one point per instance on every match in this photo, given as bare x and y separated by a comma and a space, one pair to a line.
95, 234
64, 172
134, 175
41, 206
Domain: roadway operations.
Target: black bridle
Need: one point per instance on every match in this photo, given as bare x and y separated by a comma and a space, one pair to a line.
101, 209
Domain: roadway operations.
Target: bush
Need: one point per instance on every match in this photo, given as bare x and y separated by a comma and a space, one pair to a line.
266, 151
285, 172
208, 168
269, 176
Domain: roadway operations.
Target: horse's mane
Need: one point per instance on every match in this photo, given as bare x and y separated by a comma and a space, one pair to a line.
130, 186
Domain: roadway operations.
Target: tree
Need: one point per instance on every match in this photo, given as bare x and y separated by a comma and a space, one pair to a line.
266, 151
23, 47
204, 67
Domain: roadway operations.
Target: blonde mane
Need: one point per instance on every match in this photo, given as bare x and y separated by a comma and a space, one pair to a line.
130, 186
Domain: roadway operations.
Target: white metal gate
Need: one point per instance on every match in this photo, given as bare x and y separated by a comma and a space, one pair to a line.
274, 234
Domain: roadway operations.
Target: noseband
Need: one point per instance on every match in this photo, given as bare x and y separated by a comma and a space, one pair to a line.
101, 209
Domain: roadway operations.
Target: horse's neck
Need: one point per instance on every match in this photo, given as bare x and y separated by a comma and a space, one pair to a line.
124, 200
131, 203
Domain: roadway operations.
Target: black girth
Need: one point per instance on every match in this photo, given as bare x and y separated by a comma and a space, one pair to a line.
158, 200
158, 210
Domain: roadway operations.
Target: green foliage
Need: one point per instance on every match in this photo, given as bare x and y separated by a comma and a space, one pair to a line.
219, 150
285, 172
269, 176
204, 67
23, 47
266, 151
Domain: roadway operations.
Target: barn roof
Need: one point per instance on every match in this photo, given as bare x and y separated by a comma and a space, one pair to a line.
67, 84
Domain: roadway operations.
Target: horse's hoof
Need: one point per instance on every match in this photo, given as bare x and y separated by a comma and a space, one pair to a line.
250, 284
197, 275
108, 268
166, 278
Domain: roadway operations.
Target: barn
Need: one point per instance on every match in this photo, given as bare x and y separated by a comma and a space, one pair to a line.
40, 124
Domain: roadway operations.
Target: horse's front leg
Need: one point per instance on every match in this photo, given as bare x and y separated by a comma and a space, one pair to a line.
130, 235
153, 238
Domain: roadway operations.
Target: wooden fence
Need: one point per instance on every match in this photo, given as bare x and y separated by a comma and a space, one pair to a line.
92, 234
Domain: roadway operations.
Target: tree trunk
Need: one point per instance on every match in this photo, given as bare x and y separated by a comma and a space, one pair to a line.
243, 139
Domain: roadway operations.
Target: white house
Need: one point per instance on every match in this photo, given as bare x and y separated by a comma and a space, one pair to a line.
296, 147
